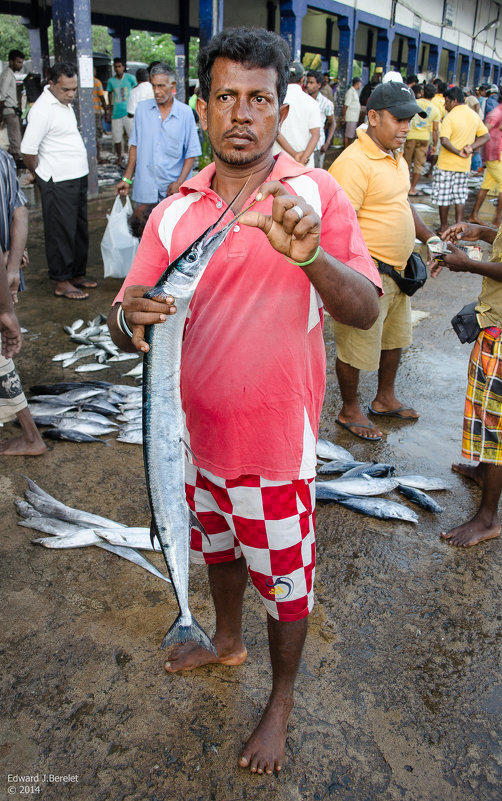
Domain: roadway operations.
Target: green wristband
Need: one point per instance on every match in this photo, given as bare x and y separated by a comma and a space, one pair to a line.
127, 180
304, 263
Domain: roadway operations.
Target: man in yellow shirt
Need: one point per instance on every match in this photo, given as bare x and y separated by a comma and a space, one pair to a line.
422, 132
462, 132
375, 178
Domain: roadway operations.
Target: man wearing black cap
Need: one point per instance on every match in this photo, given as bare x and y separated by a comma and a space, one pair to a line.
376, 180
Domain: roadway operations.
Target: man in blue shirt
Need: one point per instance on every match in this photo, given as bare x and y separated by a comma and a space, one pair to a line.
163, 144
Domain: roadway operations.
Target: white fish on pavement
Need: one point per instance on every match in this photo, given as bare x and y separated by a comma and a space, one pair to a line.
424, 482
328, 450
130, 538
90, 368
135, 372
361, 485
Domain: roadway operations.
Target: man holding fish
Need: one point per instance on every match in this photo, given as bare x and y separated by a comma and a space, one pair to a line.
252, 360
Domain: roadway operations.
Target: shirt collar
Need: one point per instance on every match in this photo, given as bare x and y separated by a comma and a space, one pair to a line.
371, 149
285, 167
174, 108
53, 99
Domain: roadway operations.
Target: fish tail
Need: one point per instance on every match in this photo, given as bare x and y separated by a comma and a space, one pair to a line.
192, 633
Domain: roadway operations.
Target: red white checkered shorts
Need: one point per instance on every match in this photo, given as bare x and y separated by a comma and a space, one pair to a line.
270, 523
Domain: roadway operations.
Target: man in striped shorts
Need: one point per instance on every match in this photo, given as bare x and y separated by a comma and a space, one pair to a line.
482, 432
253, 359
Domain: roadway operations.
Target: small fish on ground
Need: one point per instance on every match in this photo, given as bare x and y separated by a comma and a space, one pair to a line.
71, 435
328, 450
361, 485
376, 469
337, 466
423, 482
419, 497
382, 508
90, 368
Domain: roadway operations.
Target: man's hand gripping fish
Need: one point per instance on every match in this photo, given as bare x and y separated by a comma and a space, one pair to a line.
163, 425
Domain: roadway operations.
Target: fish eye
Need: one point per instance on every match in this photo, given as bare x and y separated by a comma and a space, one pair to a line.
192, 257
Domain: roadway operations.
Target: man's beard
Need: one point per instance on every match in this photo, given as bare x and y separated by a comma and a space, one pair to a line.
239, 158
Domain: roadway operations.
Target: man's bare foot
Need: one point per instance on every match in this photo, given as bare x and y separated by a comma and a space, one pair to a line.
264, 751
471, 533
190, 656
475, 473
496, 221
475, 220
19, 446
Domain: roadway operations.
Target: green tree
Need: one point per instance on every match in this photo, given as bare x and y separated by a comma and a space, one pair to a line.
13, 36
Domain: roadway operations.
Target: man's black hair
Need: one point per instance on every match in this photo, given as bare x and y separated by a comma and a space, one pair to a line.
356, 80
440, 85
152, 64
417, 90
13, 54
62, 68
429, 91
253, 47
317, 74
118, 60
454, 93
411, 79
141, 75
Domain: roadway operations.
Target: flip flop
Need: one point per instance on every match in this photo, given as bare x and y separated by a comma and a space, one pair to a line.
350, 426
84, 283
393, 412
72, 294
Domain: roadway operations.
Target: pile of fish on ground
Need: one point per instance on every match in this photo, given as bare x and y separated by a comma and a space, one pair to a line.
362, 481
94, 340
82, 411
74, 528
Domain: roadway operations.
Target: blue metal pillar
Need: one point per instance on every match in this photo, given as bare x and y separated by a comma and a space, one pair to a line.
433, 63
37, 24
292, 13
465, 68
119, 36
496, 74
383, 48
346, 27
210, 19
326, 60
487, 68
477, 72
73, 43
412, 56
451, 73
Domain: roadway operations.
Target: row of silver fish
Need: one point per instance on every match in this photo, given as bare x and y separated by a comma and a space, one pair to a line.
361, 481
83, 411
75, 528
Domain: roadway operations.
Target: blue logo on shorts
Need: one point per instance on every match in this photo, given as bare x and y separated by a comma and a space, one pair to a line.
281, 588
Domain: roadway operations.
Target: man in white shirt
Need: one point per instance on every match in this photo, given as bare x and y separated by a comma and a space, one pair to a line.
327, 109
351, 111
300, 131
9, 106
55, 155
143, 91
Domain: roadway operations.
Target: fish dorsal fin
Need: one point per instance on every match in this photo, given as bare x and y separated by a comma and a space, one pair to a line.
194, 523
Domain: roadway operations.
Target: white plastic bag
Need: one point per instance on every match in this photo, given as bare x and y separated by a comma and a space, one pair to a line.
118, 246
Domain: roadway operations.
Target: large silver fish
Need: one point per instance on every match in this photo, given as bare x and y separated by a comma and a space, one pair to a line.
163, 425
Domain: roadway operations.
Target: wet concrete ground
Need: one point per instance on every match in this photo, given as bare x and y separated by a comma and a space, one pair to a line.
399, 691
